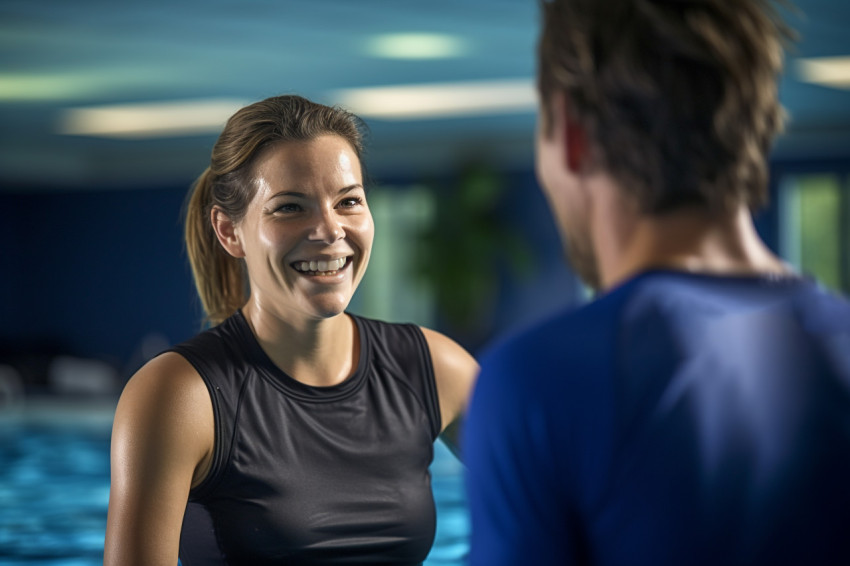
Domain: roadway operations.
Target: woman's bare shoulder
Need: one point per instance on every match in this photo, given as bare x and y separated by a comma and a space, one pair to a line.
168, 378
455, 371
162, 442
168, 398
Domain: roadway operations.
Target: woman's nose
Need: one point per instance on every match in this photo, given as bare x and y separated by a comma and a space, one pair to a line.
327, 228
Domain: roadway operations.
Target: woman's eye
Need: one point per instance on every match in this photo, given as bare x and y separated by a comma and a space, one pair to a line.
288, 207
350, 202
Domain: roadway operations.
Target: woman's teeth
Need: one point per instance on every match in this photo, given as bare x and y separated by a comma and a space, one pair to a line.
320, 267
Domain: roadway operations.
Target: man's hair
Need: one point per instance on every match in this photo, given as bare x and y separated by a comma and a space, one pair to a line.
678, 97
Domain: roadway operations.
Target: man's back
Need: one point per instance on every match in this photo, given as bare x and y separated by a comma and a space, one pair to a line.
679, 419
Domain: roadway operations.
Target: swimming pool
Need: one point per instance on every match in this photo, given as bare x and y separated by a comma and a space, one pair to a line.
54, 489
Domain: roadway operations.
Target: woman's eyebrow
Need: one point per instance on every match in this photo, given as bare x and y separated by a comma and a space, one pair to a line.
289, 194
300, 194
350, 188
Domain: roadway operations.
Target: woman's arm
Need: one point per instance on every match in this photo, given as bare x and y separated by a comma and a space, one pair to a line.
455, 371
162, 442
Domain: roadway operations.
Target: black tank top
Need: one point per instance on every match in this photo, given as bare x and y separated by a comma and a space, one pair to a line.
307, 475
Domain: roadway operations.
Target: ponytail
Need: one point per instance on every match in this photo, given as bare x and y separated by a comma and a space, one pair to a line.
219, 277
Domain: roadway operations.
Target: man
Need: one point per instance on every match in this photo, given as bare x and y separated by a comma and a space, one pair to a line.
698, 410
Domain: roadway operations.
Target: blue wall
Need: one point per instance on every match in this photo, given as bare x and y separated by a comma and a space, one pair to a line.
94, 273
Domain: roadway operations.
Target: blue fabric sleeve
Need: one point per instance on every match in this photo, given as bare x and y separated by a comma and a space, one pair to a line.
515, 499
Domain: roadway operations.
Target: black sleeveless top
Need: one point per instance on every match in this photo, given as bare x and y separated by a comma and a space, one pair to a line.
307, 475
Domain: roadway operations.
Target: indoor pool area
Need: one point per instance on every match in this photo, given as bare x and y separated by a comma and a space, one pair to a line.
611, 240
54, 487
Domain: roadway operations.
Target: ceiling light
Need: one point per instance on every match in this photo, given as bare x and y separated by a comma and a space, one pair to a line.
826, 71
415, 46
26, 87
156, 119
80, 83
440, 100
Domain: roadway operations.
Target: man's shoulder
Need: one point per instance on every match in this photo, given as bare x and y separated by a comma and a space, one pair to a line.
826, 312
569, 338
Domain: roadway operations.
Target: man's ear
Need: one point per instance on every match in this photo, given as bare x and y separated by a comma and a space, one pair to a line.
575, 137
576, 146
225, 231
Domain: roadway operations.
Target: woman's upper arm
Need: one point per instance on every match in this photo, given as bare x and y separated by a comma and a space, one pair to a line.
455, 371
162, 441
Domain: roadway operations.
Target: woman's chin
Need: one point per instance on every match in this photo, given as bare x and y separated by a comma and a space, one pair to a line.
328, 308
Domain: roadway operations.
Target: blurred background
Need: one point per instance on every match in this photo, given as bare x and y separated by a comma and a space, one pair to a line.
108, 112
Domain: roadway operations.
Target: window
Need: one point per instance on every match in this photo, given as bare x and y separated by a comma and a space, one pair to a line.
389, 290
815, 235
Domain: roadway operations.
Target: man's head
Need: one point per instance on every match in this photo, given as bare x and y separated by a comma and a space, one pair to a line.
676, 99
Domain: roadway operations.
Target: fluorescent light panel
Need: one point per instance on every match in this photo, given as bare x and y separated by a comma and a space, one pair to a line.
402, 102
151, 120
825, 71
440, 100
415, 46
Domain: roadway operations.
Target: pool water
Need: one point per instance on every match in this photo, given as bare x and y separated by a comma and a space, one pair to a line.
54, 491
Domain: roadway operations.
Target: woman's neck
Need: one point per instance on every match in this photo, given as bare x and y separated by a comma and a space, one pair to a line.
315, 351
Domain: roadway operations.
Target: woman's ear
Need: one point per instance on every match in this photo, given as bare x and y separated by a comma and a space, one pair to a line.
225, 231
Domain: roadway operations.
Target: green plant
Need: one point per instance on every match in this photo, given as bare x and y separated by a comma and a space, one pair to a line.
467, 247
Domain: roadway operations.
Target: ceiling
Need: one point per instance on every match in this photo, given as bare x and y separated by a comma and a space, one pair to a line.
57, 55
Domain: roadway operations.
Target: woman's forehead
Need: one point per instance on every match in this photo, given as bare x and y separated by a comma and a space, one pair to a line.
323, 163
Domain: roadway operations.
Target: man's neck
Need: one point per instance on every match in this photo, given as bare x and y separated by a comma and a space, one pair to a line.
688, 239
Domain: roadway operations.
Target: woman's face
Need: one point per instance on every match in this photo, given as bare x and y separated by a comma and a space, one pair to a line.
308, 231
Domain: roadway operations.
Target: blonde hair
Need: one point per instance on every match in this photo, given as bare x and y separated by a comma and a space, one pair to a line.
221, 279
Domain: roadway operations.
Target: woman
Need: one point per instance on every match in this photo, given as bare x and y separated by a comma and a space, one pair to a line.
296, 432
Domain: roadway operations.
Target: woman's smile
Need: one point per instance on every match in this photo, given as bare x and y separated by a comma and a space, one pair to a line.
323, 270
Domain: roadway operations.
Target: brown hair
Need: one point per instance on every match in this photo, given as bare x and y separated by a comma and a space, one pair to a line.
679, 97
228, 183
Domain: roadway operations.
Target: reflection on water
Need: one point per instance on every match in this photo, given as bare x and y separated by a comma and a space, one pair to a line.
452, 541
54, 489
